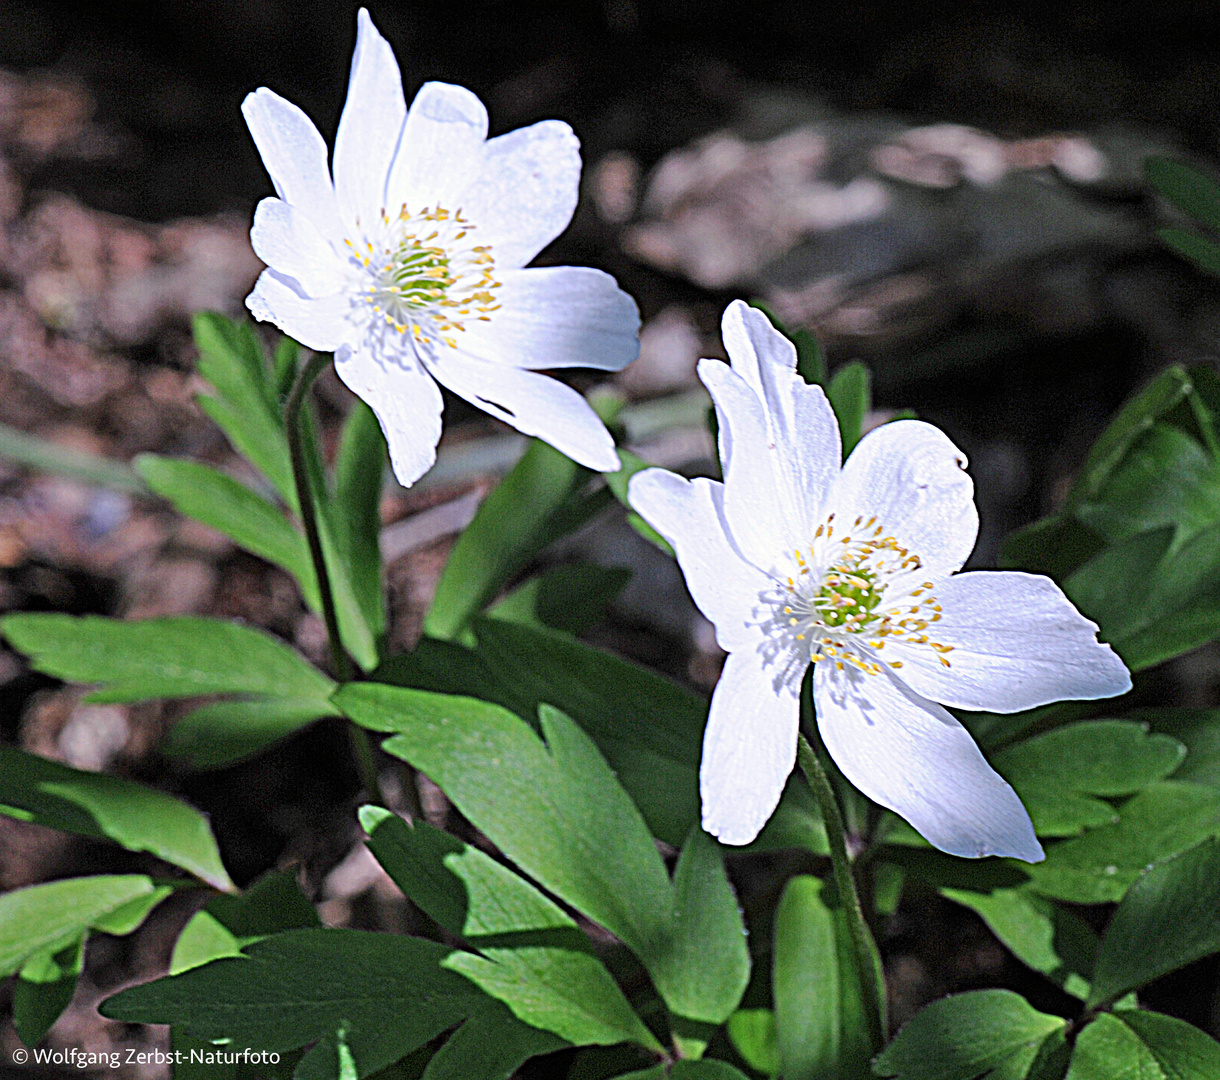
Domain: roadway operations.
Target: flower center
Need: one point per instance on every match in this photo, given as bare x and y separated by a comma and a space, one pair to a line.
423, 274
848, 596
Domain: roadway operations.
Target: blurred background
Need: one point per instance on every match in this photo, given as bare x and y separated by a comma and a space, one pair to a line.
953, 194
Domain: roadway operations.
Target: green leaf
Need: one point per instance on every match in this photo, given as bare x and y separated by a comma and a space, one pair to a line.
1143, 1046
560, 990
1199, 249
219, 501
226, 923
1043, 935
1190, 190
984, 1033
45, 988
551, 981
513, 524
462, 888
444, 667
1182, 609
1152, 605
1058, 774
752, 1033
47, 918
1055, 546
649, 729
389, 993
571, 598
247, 406
554, 809
224, 732
820, 1006
1164, 819
711, 963
1199, 731
1166, 478
618, 482
1137, 416
1169, 918
355, 511
203, 939
106, 807
174, 657
130, 916
489, 1046
284, 367
851, 396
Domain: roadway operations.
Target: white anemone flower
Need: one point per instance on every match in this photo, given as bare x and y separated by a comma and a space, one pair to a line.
408, 266
854, 569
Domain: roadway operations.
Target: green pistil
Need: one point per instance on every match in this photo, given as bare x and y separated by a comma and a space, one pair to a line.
420, 275
847, 598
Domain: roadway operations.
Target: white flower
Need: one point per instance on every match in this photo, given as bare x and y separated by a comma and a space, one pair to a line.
855, 570
408, 265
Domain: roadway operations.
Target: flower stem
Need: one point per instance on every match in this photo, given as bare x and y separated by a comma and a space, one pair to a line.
868, 964
362, 750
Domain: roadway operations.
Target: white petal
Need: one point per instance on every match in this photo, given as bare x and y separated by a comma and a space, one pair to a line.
558, 316
286, 240
749, 749
526, 193
756, 501
788, 444
910, 755
369, 128
690, 515
800, 418
534, 404
1017, 642
295, 157
441, 152
317, 323
406, 400
911, 476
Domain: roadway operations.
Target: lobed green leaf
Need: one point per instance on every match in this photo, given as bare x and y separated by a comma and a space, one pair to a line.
522, 515
41, 919
1169, 918
1164, 819
568, 598
138, 818
387, 994
557, 811
1147, 1045
172, 657
1059, 774
1048, 938
208, 495
983, 1033
491, 1046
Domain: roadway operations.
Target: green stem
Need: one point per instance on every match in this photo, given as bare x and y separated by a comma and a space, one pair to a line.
867, 961
362, 749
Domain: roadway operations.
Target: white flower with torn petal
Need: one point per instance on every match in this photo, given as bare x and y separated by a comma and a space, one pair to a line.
855, 570
408, 266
